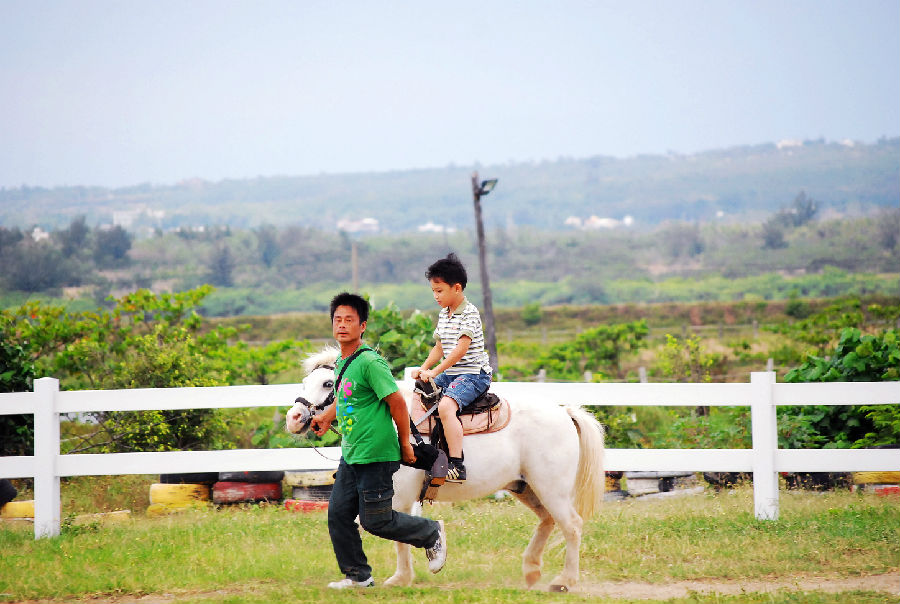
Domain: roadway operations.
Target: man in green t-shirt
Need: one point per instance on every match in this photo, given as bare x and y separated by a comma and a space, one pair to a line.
374, 422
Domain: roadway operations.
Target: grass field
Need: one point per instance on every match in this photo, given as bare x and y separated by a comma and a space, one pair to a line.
267, 554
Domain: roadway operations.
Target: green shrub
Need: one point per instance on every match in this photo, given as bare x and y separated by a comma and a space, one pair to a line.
855, 358
531, 313
404, 341
16, 375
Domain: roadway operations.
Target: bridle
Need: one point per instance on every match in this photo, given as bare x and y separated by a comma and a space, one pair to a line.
324, 404
321, 407
328, 399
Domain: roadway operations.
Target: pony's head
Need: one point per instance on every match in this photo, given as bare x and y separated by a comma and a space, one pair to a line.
317, 390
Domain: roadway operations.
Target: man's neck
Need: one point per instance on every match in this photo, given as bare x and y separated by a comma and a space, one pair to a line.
348, 348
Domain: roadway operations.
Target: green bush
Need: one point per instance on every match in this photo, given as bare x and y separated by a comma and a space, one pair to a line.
531, 313
597, 349
143, 341
855, 358
16, 375
404, 341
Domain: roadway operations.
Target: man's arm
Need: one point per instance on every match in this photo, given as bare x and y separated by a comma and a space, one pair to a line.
400, 414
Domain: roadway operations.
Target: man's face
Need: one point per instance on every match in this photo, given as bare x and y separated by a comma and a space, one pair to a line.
345, 326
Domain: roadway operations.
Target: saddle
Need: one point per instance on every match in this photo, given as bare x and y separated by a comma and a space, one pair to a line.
488, 413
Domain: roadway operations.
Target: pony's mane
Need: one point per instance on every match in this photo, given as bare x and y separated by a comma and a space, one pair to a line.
326, 356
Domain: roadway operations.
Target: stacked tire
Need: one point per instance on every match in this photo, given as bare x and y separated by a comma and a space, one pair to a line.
10, 509
247, 487
311, 489
179, 492
880, 483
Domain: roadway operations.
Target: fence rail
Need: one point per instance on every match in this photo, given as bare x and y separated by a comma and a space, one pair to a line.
762, 394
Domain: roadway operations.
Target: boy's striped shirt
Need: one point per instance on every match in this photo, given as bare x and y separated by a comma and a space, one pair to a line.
464, 320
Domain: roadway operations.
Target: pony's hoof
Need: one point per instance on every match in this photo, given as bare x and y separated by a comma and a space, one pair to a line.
531, 578
559, 588
397, 581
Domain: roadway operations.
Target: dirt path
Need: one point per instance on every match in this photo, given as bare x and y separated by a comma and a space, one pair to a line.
887, 583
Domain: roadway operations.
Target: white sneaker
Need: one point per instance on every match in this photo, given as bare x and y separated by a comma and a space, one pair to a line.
348, 582
437, 553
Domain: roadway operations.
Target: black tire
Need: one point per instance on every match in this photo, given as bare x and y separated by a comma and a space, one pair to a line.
727, 480
7, 491
255, 477
189, 478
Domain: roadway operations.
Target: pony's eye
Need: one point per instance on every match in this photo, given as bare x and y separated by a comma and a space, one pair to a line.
328, 384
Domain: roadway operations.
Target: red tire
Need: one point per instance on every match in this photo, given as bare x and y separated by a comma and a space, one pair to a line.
240, 492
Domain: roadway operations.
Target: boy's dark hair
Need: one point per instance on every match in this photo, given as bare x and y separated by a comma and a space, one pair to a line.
358, 303
449, 270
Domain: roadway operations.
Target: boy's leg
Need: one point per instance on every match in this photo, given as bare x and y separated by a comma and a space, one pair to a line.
376, 493
453, 431
462, 391
343, 507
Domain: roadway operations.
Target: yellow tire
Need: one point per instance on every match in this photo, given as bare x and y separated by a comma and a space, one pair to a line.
164, 509
309, 478
18, 509
178, 494
876, 478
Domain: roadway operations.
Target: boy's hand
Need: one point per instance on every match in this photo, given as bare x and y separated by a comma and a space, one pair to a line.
426, 375
415, 373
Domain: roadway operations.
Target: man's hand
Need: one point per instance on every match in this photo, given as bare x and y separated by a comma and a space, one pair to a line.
322, 421
407, 453
319, 425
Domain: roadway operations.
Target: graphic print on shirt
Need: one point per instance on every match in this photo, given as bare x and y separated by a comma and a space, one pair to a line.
345, 418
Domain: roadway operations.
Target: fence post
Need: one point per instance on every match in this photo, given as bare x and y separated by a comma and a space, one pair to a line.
765, 444
46, 451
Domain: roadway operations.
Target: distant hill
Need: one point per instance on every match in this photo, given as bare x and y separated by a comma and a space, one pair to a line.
740, 183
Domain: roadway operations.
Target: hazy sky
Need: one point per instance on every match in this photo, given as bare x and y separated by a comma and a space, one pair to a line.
115, 93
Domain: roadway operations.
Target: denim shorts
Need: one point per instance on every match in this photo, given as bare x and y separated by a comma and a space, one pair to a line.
464, 388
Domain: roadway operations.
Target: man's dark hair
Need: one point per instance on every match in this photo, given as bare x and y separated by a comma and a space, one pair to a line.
449, 270
358, 303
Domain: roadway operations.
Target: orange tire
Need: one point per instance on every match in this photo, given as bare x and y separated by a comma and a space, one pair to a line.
303, 505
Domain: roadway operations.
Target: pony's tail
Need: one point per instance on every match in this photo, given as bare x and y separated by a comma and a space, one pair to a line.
590, 479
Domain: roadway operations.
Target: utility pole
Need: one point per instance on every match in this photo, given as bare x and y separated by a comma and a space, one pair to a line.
354, 263
478, 191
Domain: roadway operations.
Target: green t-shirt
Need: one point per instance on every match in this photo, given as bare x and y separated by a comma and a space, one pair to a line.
363, 417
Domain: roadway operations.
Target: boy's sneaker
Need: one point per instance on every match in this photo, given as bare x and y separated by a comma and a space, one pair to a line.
348, 582
456, 471
437, 553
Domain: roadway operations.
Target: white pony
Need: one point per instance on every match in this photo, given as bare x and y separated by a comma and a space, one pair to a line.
549, 456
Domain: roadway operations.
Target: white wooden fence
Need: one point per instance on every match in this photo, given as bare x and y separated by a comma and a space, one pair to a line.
762, 394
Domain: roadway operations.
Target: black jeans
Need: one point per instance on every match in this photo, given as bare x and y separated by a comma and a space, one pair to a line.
367, 490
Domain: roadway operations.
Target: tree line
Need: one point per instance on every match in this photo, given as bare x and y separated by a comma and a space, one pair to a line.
276, 269
35, 261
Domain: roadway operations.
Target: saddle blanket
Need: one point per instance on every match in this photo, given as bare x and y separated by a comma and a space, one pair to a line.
493, 419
